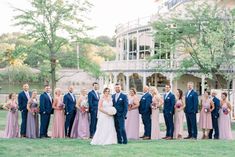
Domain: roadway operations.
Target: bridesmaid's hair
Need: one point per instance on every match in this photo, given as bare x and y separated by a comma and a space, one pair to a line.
208, 92
105, 89
181, 94
56, 90
10, 95
154, 90
134, 90
225, 94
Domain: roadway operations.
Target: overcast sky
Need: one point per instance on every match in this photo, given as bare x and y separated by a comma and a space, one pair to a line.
105, 14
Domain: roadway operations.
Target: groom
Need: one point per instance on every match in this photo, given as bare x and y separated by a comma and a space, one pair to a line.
120, 102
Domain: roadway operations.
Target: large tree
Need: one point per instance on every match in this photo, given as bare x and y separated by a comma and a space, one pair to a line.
53, 24
204, 35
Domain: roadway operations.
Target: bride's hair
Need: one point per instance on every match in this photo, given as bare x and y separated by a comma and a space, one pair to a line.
105, 89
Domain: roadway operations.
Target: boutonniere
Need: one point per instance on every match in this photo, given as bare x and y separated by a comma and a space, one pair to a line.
143, 98
120, 99
168, 97
190, 95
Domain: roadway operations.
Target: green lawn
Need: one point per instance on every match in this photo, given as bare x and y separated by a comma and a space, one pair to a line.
67, 147
82, 148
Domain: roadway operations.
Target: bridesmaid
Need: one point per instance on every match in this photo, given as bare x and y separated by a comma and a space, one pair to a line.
179, 115
32, 129
81, 122
205, 120
12, 126
225, 131
58, 120
132, 121
156, 104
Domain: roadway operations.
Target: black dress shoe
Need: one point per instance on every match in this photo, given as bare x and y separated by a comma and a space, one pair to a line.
188, 137
48, 136
142, 136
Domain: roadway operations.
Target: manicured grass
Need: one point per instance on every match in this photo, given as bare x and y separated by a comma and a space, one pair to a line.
161, 148
82, 148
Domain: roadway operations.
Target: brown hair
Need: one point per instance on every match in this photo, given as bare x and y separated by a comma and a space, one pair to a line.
105, 89
181, 94
225, 94
134, 90
10, 95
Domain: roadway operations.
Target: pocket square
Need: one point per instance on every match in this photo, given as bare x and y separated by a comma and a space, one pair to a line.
143, 98
168, 97
120, 99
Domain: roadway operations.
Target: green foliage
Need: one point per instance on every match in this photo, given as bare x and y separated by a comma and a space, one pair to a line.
87, 65
204, 36
106, 40
68, 59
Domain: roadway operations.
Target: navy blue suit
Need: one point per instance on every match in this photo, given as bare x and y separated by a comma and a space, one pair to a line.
121, 106
168, 111
23, 101
45, 112
215, 116
145, 111
191, 110
70, 111
93, 101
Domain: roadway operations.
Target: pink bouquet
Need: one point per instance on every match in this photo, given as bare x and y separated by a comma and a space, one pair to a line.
225, 111
13, 110
61, 105
178, 106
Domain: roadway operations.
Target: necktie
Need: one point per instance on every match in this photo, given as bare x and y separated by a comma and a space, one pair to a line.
27, 95
116, 96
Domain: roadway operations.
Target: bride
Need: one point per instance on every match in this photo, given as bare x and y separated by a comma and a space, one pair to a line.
105, 133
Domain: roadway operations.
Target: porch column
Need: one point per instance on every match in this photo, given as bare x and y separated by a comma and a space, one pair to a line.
127, 83
203, 84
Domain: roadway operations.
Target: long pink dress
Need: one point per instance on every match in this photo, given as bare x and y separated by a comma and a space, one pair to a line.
178, 119
132, 121
80, 127
12, 126
205, 121
58, 121
225, 131
155, 126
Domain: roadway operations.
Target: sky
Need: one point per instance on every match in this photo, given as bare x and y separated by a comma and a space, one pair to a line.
105, 14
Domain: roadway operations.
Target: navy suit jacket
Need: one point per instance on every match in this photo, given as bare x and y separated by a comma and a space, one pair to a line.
70, 105
93, 100
169, 103
191, 102
23, 101
215, 112
145, 103
121, 105
45, 104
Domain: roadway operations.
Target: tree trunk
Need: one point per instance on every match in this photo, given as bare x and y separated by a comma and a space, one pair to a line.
53, 72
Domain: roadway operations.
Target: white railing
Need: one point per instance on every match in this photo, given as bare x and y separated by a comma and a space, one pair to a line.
140, 22
139, 65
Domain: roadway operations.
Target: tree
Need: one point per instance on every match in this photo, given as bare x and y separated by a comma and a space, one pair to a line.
54, 23
206, 34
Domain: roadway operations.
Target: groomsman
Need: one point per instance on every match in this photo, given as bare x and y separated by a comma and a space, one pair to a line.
145, 111
215, 116
191, 110
45, 111
23, 98
168, 111
70, 110
93, 100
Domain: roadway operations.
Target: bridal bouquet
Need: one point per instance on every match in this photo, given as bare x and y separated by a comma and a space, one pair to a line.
111, 110
84, 106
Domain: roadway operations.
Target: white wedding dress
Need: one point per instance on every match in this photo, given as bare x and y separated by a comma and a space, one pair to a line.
105, 130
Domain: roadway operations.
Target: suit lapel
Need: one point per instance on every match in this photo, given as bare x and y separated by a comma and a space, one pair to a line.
26, 98
95, 94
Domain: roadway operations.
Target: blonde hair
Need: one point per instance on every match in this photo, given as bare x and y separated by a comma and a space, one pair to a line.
154, 91
57, 90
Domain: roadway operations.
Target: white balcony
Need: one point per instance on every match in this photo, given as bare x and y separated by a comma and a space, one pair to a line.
166, 65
